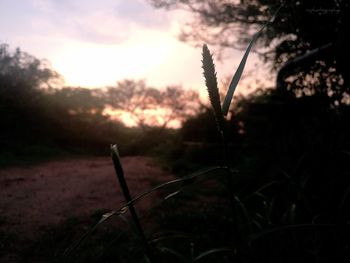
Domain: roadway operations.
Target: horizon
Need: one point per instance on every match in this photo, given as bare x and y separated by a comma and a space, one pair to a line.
84, 43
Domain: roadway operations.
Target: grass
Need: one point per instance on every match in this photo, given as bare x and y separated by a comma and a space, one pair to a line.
293, 209
286, 212
236, 218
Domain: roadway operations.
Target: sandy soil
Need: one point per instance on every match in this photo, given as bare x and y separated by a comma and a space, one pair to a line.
46, 194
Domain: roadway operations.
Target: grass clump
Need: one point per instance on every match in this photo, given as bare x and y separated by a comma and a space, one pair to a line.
253, 213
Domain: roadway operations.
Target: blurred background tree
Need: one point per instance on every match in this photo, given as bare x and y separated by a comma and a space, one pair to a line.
151, 107
307, 43
292, 129
292, 141
41, 118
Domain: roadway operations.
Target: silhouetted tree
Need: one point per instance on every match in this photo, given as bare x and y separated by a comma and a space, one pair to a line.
21, 99
19, 70
81, 102
39, 116
307, 43
149, 106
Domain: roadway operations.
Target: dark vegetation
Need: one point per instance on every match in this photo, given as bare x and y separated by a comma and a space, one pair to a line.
41, 119
289, 147
310, 35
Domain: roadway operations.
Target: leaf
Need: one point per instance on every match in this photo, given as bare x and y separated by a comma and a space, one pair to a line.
246, 220
236, 77
239, 71
258, 192
211, 252
68, 252
171, 195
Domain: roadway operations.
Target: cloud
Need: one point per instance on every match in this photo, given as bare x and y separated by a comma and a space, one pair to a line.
142, 14
94, 43
104, 22
80, 20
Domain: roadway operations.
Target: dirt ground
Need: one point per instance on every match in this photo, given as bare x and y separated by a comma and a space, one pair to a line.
37, 196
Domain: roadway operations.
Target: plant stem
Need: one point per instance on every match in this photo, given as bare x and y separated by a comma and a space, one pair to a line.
228, 167
230, 187
120, 174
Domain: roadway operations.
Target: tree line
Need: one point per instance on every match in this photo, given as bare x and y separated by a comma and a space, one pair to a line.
40, 115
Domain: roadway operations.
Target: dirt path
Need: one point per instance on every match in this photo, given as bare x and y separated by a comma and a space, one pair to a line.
49, 193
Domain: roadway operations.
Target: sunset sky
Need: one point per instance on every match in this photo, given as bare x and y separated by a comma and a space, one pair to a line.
96, 43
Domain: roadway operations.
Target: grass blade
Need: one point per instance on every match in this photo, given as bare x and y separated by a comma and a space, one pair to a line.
211, 252
123, 209
120, 174
68, 252
245, 222
237, 76
239, 71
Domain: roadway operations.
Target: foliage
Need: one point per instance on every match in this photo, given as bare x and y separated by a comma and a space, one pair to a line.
299, 28
148, 106
19, 70
288, 192
292, 161
278, 210
42, 119
292, 157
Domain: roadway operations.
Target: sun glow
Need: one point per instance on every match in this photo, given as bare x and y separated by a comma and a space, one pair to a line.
153, 117
92, 65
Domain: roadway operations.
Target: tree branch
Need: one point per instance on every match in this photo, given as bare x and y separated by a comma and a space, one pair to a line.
292, 64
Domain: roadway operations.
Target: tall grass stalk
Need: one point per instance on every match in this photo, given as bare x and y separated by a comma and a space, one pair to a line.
214, 97
124, 186
221, 111
240, 244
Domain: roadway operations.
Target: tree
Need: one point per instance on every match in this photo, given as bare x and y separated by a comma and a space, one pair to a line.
22, 78
307, 43
82, 102
20, 70
39, 117
148, 106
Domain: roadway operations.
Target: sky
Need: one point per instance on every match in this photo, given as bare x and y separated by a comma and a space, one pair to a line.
97, 43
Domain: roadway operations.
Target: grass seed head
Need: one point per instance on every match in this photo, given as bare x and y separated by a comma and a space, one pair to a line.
212, 85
